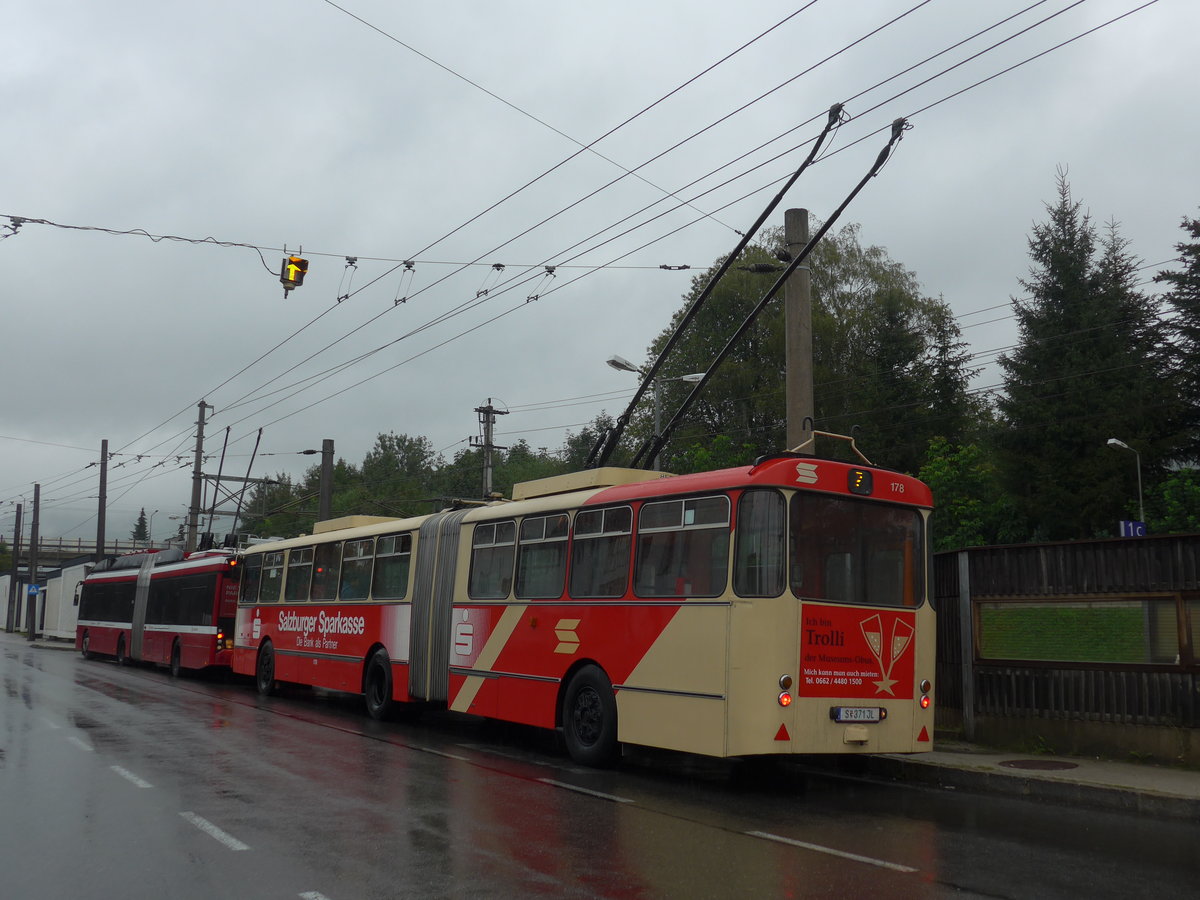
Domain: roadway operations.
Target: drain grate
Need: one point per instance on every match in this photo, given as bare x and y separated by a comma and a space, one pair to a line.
1041, 764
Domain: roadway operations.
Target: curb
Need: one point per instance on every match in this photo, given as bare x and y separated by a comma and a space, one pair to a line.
1047, 790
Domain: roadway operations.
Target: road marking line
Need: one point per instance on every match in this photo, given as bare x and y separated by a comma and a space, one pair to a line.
129, 776
80, 744
441, 753
883, 864
582, 790
313, 895
214, 832
54, 726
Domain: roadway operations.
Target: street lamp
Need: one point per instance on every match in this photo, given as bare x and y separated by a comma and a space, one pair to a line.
1121, 445
623, 365
150, 529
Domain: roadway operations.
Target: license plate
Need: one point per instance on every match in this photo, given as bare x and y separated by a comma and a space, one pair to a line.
855, 714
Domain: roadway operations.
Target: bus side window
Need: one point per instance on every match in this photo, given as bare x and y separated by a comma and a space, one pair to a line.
392, 555
299, 573
357, 560
251, 575
683, 548
542, 557
759, 560
492, 546
327, 560
600, 552
272, 578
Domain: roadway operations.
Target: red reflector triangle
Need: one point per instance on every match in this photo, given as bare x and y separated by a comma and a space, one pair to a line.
782, 734
924, 735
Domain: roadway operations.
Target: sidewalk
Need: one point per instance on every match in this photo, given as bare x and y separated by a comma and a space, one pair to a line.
1145, 789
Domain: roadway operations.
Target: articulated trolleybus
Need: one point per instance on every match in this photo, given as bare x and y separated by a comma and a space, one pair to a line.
771, 609
162, 607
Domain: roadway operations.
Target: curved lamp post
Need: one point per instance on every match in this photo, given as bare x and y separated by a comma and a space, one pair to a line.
1121, 445
621, 364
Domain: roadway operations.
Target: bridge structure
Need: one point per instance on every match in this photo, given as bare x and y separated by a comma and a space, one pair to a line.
53, 552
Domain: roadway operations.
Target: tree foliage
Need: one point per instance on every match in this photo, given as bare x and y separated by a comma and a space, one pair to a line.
140, 531
1090, 365
1183, 297
887, 360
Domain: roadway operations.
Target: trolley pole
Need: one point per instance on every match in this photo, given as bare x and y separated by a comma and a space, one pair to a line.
798, 359
31, 607
103, 500
325, 502
10, 622
197, 479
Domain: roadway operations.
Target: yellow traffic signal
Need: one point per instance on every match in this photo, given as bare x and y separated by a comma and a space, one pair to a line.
293, 272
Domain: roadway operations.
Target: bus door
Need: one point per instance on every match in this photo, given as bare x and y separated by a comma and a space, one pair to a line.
140, 598
432, 605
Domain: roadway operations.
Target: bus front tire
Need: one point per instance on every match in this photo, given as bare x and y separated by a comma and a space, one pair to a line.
264, 671
176, 661
377, 685
86, 649
589, 718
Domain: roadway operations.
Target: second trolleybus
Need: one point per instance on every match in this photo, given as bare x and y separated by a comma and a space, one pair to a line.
777, 608
160, 606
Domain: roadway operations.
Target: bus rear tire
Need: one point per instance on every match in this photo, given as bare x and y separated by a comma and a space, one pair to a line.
589, 718
264, 670
377, 685
176, 661
122, 656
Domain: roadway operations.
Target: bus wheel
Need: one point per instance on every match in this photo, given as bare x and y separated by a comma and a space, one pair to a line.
176, 661
87, 646
589, 718
377, 685
122, 656
264, 672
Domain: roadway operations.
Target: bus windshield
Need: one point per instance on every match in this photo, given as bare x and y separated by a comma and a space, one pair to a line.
856, 551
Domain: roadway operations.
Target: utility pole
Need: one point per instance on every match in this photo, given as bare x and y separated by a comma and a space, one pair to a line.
31, 611
103, 500
325, 503
197, 479
798, 358
10, 622
487, 419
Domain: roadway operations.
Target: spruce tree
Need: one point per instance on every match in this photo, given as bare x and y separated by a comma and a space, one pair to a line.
1089, 366
140, 532
1183, 297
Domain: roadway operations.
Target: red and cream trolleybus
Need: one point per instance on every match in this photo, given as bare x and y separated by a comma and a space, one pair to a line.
776, 608
162, 607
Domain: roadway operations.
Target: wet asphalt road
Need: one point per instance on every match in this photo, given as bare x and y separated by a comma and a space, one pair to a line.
120, 782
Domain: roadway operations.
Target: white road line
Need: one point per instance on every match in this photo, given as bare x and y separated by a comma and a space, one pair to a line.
313, 895
580, 790
54, 726
214, 832
80, 744
129, 776
441, 753
883, 864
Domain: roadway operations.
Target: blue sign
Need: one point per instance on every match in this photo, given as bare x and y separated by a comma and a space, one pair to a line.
1133, 529
32, 589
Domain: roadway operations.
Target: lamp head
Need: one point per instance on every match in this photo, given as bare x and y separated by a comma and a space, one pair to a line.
621, 364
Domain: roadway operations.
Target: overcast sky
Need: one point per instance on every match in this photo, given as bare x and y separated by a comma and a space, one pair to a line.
291, 123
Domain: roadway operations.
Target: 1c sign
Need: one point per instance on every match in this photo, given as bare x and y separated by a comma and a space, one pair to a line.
1132, 529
